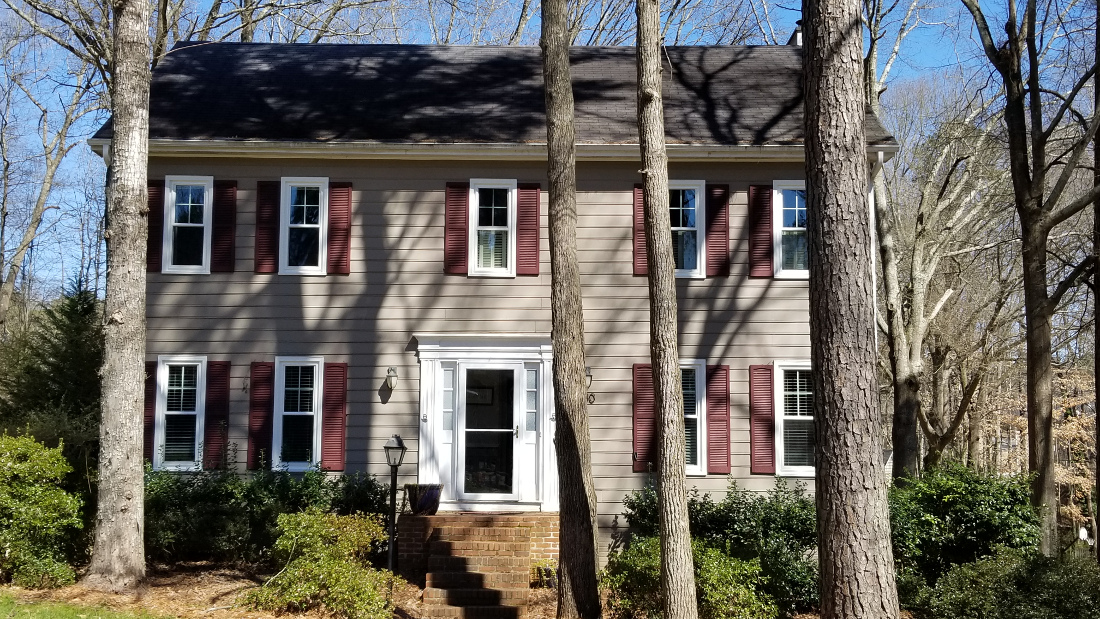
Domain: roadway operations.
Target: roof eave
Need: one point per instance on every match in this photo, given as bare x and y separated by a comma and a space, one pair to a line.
264, 149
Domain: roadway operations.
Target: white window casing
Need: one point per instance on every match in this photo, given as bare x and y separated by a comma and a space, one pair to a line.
794, 421
188, 212
480, 264
290, 410
687, 231
695, 439
181, 402
302, 225
784, 196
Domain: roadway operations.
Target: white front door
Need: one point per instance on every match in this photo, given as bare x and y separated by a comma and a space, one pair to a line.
489, 398
487, 425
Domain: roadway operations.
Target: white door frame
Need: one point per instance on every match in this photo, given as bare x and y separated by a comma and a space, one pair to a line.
445, 357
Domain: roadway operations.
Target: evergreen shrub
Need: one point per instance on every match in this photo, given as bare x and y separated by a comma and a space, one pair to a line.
37, 516
325, 566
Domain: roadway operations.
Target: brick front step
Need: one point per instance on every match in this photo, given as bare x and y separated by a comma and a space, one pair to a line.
476, 597
484, 564
497, 534
474, 548
476, 580
475, 612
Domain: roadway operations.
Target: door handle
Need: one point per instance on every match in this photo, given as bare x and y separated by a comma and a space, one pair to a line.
516, 434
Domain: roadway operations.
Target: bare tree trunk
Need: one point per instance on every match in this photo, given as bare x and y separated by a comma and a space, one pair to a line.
677, 573
118, 554
974, 434
578, 595
857, 567
1095, 290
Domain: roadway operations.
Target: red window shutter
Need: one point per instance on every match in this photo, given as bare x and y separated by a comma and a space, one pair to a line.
261, 413
150, 409
155, 241
267, 226
333, 416
216, 424
456, 229
645, 418
641, 264
223, 242
339, 228
527, 229
718, 419
718, 230
760, 231
761, 420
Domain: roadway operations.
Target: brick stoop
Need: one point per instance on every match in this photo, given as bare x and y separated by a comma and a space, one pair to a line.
475, 565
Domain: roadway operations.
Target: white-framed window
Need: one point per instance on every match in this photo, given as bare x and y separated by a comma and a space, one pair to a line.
188, 210
303, 226
791, 245
687, 213
492, 240
794, 419
693, 379
181, 411
296, 437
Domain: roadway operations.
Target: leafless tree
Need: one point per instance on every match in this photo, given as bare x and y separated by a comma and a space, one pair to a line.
677, 572
1047, 136
578, 596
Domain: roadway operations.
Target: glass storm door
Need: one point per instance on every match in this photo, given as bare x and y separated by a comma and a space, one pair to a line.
489, 432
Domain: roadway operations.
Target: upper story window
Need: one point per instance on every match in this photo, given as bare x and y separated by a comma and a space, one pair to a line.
303, 226
180, 416
187, 213
693, 382
492, 227
794, 418
686, 204
789, 214
296, 443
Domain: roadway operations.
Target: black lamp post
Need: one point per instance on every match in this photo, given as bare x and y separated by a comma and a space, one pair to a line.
395, 453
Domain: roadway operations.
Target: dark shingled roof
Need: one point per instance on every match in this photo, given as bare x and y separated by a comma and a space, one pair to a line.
721, 95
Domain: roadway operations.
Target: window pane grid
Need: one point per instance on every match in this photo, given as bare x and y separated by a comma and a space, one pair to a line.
304, 226
798, 422
691, 415
188, 229
298, 389
448, 398
179, 438
684, 223
793, 240
532, 393
182, 388
190, 202
492, 228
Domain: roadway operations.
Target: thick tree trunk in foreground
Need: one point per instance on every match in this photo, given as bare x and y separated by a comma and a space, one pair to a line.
118, 554
677, 573
578, 595
857, 568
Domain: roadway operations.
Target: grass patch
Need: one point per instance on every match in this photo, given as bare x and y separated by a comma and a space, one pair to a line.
11, 608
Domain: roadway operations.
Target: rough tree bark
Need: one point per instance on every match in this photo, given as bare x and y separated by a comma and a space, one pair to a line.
1096, 287
578, 595
677, 573
857, 567
118, 553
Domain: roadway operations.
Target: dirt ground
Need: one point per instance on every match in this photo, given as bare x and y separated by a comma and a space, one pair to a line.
204, 591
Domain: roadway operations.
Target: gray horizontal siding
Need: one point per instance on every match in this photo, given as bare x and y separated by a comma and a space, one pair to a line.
397, 289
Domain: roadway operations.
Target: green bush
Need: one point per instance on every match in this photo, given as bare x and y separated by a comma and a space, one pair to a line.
223, 516
1015, 584
37, 516
778, 528
952, 515
325, 567
725, 587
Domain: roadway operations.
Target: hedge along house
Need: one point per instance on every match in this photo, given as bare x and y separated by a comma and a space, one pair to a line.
320, 214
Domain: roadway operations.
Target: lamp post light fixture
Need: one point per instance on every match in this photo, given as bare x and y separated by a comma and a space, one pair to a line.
391, 379
395, 453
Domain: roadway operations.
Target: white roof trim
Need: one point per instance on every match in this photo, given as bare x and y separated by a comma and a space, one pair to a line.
260, 149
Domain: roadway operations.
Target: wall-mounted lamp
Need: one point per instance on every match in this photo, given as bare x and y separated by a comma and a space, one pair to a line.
391, 378
588, 377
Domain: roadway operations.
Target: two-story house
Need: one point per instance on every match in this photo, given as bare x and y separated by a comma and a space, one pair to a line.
350, 241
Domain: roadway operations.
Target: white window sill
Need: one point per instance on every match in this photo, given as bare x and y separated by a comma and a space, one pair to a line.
312, 272
690, 275
492, 274
294, 467
796, 471
190, 270
183, 467
792, 274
